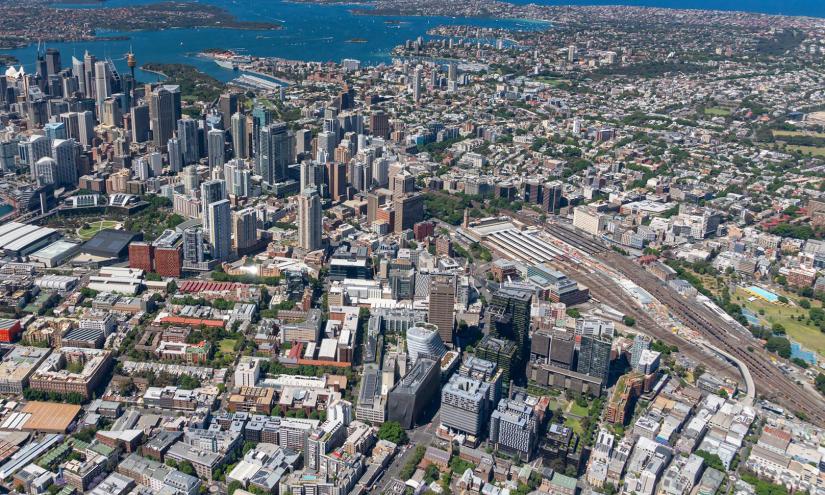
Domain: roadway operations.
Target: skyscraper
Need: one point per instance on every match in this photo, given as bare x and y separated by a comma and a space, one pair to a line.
64, 152
594, 357
228, 105
245, 229
162, 111
309, 220
416, 84
89, 74
35, 148
464, 405
409, 210
211, 192
261, 117
216, 140
86, 127
193, 245
140, 123
442, 305
56, 130
103, 88
175, 155
276, 152
220, 229
53, 63
238, 131
79, 73
380, 124
509, 318
188, 135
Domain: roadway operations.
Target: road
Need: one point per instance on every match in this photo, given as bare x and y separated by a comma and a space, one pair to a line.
422, 435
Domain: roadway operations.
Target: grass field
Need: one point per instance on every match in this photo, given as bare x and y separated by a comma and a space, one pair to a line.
813, 150
575, 425
717, 111
809, 336
95, 227
577, 410
778, 133
227, 346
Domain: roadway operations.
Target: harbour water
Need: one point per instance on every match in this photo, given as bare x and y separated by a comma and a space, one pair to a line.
321, 32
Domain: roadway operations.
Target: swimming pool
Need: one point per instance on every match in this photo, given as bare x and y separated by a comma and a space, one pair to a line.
764, 294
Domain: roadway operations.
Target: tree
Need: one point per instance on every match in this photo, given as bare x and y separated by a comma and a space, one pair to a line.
573, 313
629, 321
393, 432
186, 467
233, 485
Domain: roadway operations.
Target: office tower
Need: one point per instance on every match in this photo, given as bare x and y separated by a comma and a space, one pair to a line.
64, 152
552, 193
155, 163
403, 183
464, 405
423, 341
380, 124
140, 168
37, 111
239, 144
276, 152
4, 88
245, 229
309, 220
56, 130
303, 142
193, 245
162, 112
188, 135
211, 191
502, 353
35, 148
89, 74
8, 155
103, 88
416, 84
216, 141
337, 180
452, 71
380, 172
414, 393
71, 122
313, 176
261, 118
509, 318
175, 155
327, 141
227, 105
190, 179
640, 343
140, 123
594, 357
44, 171
86, 127
442, 305
409, 210
79, 74
571, 53
220, 229
53, 63
514, 428
111, 114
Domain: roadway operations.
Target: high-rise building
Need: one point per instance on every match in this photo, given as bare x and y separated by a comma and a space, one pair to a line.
86, 127
414, 393
245, 229
261, 118
140, 123
35, 148
64, 152
276, 152
211, 192
442, 305
337, 180
70, 120
380, 124
56, 130
89, 74
175, 155
423, 340
216, 141
227, 105
309, 220
509, 318
103, 88
594, 357
502, 353
416, 84
193, 245
220, 229
464, 403
409, 210
44, 171
188, 135
53, 63
238, 131
514, 428
640, 343
162, 111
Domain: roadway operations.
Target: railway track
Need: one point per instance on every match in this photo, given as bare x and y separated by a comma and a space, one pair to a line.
770, 381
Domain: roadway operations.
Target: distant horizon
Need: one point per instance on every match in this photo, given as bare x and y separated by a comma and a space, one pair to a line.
793, 8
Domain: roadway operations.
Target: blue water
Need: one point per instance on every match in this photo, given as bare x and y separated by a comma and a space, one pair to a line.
764, 294
797, 351
310, 32
319, 32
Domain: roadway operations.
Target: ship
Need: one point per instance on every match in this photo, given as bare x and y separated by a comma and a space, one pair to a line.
226, 64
